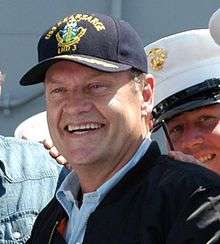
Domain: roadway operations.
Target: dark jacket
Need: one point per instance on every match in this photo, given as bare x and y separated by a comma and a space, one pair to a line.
158, 201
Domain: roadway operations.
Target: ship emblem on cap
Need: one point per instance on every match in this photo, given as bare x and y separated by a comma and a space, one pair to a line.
69, 36
157, 57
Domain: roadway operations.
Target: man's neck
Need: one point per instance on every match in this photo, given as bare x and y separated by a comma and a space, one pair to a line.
92, 176
91, 179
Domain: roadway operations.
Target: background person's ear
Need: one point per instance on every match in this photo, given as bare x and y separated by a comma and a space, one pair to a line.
148, 99
148, 92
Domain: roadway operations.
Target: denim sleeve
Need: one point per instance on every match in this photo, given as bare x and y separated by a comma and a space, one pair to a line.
28, 180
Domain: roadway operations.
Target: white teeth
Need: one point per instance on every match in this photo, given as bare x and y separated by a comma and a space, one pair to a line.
204, 159
70, 128
73, 128
87, 126
93, 126
82, 127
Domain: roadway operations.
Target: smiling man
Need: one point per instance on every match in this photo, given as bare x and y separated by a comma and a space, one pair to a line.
188, 93
121, 190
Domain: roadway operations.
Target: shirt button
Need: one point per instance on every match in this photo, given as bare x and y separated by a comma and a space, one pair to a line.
16, 235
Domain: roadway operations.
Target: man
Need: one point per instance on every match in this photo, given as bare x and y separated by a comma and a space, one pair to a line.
121, 190
28, 180
187, 68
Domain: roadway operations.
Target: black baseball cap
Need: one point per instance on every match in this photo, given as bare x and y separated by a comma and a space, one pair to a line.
95, 40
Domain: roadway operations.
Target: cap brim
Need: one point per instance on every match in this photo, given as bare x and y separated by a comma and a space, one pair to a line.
186, 107
37, 73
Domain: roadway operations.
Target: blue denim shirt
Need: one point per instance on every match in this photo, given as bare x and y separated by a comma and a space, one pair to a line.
28, 180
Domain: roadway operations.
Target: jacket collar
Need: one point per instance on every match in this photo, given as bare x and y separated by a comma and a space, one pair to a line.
135, 175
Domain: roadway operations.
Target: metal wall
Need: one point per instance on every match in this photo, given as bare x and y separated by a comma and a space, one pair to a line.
23, 21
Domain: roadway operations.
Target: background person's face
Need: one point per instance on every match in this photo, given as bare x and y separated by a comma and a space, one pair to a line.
93, 117
197, 133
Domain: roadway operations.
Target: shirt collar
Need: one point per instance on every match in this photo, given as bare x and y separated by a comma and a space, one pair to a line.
70, 186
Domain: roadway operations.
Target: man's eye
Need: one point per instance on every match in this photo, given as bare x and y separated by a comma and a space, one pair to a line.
97, 87
208, 119
57, 90
176, 130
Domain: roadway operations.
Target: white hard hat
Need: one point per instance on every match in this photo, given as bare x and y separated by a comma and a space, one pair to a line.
181, 61
34, 128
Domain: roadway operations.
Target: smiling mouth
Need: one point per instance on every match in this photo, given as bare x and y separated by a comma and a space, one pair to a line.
82, 129
207, 158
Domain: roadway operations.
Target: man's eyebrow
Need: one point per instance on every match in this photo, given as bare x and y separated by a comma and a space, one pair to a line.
53, 81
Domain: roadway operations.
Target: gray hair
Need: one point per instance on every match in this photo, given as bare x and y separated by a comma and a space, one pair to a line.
138, 78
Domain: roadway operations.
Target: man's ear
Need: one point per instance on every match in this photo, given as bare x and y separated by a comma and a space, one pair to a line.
148, 94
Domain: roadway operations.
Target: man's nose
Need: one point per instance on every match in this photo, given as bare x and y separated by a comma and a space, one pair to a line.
77, 103
192, 138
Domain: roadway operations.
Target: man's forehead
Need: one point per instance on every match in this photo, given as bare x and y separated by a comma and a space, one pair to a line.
64, 68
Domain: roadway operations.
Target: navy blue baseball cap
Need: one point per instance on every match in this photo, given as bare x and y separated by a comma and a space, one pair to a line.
95, 40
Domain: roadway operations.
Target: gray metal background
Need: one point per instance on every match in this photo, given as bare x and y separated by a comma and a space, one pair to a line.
23, 21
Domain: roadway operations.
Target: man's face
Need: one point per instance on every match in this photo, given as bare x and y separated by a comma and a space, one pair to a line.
198, 133
93, 117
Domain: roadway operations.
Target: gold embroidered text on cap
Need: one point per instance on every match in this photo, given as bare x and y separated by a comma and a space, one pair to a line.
157, 58
70, 35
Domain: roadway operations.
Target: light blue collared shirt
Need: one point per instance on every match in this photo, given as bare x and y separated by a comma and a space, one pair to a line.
67, 196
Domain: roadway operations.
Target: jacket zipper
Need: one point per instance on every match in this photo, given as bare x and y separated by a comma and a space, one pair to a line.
52, 232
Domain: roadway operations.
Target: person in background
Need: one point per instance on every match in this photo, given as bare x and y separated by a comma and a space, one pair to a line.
35, 128
187, 102
28, 180
121, 189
